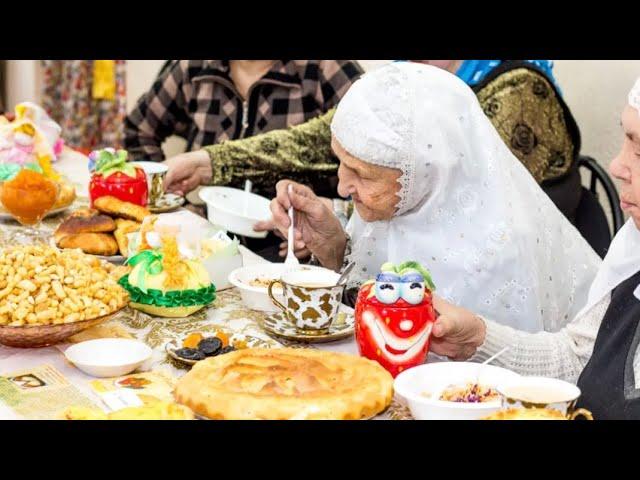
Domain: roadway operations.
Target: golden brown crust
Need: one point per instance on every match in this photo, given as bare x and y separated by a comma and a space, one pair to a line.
123, 228
117, 208
89, 224
66, 196
92, 243
526, 414
286, 383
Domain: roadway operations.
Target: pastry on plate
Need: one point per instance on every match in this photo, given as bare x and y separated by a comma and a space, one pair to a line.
117, 208
526, 414
149, 411
93, 243
123, 228
286, 383
66, 196
85, 221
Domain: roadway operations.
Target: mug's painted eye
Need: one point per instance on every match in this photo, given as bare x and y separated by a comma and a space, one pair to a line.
412, 288
387, 288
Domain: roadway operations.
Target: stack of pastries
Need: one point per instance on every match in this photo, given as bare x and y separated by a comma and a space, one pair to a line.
103, 230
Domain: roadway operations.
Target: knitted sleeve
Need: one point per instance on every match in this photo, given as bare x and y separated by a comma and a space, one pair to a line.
561, 354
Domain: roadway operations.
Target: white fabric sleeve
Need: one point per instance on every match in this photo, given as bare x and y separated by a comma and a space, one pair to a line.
562, 354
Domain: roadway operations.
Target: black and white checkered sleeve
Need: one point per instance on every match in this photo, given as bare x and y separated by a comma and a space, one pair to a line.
336, 76
159, 113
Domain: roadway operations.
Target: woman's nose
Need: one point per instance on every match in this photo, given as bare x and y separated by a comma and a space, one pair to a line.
345, 183
617, 168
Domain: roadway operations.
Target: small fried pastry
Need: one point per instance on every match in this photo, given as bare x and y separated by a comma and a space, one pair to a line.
117, 208
93, 243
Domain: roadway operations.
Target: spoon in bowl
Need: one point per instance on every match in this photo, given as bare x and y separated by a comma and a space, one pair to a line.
291, 259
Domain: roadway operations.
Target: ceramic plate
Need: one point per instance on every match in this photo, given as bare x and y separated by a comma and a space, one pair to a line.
342, 327
168, 203
252, 342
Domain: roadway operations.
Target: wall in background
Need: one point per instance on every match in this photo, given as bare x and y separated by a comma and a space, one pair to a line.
596, 91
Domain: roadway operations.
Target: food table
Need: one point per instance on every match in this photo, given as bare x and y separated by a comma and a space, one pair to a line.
227, 312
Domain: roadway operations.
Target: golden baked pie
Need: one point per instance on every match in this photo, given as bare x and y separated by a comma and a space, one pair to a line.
150, 411
286, 383
527, 414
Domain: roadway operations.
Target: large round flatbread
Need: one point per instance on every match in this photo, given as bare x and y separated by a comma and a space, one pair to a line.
286, 383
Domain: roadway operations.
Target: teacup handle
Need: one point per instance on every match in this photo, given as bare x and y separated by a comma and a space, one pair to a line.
581, 411
273, 298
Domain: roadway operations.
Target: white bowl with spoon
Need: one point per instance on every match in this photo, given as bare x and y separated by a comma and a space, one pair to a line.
421, 388
236, 210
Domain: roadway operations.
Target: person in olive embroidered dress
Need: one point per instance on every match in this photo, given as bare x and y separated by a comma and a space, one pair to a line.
520, 98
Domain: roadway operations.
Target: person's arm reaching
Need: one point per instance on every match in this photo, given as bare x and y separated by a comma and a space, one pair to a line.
461, 335
297, 152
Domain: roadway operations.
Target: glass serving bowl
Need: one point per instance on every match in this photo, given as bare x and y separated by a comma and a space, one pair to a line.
28, 197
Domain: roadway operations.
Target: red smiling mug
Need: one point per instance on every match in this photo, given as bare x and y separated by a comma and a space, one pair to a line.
394, 316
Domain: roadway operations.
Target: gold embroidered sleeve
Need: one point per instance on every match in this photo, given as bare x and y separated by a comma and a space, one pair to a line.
302, 153
525, 110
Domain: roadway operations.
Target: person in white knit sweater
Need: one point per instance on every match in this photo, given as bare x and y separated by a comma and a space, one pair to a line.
598, 349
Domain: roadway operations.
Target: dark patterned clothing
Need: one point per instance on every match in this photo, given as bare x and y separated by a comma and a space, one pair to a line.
522, 104
531, 118
198, 100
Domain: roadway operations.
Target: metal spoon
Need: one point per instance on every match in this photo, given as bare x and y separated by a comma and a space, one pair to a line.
291, 257
345, 274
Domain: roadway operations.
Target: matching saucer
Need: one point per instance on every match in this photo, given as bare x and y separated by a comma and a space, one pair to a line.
168, 203
342, 327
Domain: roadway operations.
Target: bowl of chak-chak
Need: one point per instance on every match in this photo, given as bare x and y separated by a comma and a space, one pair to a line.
48, 295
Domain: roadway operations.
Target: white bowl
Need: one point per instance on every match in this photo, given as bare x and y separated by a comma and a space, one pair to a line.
236, 211
257, 298
432, 378
108, 357
220, 268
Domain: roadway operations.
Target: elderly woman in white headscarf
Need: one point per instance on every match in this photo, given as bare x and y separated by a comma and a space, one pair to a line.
599, 348
432, 181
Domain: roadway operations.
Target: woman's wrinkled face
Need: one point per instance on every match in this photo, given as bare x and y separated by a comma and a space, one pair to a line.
374, 189
626, 166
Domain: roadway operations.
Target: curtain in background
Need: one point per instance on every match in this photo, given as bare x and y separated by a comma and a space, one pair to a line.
87, 98
3, 85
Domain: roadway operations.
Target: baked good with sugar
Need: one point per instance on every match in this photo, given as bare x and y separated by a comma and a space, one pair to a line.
117, 208
286, 383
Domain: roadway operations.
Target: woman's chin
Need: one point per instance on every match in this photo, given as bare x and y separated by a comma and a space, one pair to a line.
369, 215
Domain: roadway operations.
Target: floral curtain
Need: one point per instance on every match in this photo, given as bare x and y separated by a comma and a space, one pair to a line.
3, 86
88, 99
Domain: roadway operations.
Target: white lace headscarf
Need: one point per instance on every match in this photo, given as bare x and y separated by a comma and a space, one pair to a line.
623, 257
469, 211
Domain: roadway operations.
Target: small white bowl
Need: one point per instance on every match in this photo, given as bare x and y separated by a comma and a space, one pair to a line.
257, 298
108, 357
432, 378
235, 210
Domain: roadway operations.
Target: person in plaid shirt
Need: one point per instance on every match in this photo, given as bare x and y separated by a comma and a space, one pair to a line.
211, 101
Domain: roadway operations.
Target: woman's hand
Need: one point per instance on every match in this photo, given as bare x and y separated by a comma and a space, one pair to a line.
457, 332
316, 227
268, 226
187, 171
